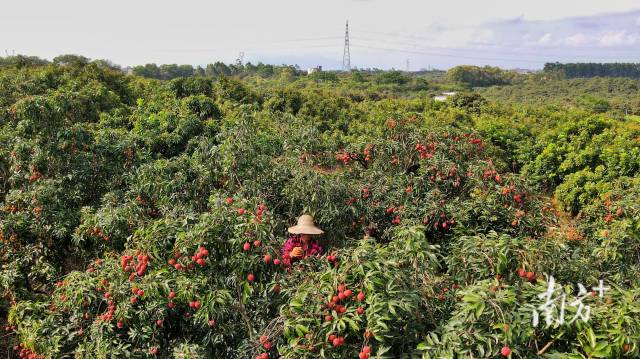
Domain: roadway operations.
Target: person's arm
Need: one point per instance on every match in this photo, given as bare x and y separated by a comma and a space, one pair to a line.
316, 249
286, 250
292, 250
288, 246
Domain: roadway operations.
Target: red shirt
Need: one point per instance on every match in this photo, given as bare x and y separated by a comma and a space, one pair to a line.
310, 249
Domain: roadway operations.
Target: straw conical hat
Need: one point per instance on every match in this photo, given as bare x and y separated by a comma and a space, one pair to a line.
305, 226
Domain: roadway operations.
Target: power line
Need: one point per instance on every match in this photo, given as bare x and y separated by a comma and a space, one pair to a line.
417, 45
484, 45
308, 39
252, 48
436, 48
444, 55
389, 34
515, 52
541, 57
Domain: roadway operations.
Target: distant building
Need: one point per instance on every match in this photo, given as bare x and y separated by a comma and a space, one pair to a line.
314, 69
525, 71
444, 96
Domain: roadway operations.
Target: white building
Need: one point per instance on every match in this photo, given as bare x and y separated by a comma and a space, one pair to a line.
314, 69
444, 96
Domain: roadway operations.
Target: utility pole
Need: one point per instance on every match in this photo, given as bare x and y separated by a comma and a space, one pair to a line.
346, 56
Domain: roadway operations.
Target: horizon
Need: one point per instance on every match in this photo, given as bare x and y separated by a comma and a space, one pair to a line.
298, 67
495, 33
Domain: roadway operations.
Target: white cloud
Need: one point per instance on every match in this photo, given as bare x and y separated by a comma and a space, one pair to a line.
484, 35
618, 38
545, 39
577, 40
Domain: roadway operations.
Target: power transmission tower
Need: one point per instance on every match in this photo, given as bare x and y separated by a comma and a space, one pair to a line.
346, 57
408, 65
240, 59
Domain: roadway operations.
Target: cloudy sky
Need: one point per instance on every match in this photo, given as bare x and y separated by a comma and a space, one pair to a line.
383, 33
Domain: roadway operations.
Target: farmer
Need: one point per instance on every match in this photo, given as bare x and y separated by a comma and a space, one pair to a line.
301, 244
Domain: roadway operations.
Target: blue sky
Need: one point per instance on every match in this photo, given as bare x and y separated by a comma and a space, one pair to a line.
384, 34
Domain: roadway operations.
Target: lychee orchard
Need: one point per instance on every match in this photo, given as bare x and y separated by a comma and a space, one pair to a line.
274, 214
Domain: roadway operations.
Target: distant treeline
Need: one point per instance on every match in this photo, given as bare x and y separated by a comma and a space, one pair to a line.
161, 72
217, 69
475, 76
20, 61
591, 69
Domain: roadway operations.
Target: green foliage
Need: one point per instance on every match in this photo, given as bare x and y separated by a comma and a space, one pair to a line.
22, 61
392, 77
74, 60
590, 69
470, 102
595, 105
143, 217
163, 72
543, 89
474, 76
323, 76
391, 298
191, 86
